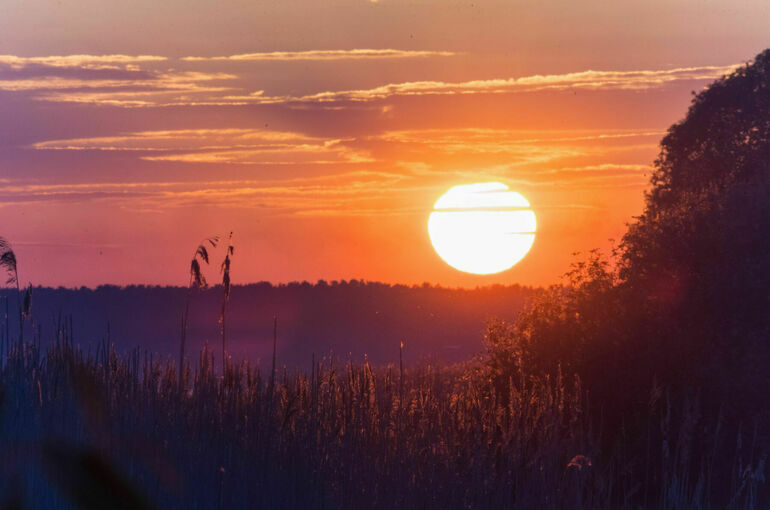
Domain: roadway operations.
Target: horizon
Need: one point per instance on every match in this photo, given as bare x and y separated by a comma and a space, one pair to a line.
291, 283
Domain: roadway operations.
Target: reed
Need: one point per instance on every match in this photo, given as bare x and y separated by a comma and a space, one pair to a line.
102, 429
344, 436
9, 263
197, 282
225, 270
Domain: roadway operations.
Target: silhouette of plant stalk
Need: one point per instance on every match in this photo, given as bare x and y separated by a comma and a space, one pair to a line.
225, 270
197, 282
9, 263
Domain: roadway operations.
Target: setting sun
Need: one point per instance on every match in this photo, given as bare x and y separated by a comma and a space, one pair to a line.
482, 228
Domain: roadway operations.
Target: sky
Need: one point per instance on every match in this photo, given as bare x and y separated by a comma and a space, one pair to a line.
322, 133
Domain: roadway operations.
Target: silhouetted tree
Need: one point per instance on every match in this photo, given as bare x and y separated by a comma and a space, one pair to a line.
685, 302
697, 259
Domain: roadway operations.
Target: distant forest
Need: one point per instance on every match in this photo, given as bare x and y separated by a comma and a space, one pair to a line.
349, 318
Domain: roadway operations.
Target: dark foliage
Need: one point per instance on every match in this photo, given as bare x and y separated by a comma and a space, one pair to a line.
697, 261
683, 303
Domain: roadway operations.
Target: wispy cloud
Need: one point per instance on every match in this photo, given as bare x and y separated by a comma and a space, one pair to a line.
600, 170
535, 145
435, 150
241, 146
143, 86
160, 81
153, 89
179, 139
599, 176
349, 193
81, 61
592, 80
470, 136
290, 155
353, 54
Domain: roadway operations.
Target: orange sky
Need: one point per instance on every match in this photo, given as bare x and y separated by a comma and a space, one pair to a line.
322, 133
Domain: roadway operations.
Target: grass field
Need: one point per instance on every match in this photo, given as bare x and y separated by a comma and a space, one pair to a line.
98, 429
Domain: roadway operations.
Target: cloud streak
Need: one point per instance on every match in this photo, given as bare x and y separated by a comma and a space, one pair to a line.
350, 193
433, 148
237, 146
81, 61
164, 81
324, 55
179, 139
170, 87
154, 89
589, 80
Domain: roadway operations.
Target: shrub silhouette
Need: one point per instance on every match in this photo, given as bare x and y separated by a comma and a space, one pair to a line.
682, 303
697, 259
674, 324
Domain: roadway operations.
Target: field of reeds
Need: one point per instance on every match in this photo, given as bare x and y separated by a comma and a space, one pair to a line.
87, 426
98, 429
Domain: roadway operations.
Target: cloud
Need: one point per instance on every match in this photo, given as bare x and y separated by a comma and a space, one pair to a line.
115, 80
374, 175
32, 71
426, 153
82, 61
534, 144
599, 176
323, 55
348, 193
291, 155
241, 146
470, 136
179, 139
601, 170
153, 89
85, 80
575, 159
358, 193
436, 151
390, 190
591, 80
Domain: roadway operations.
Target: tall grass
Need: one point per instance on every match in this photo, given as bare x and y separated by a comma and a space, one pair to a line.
345, 435
225, 270
197, 282
98, 429
9, 264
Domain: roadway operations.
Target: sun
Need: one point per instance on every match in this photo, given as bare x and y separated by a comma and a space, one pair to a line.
482, 228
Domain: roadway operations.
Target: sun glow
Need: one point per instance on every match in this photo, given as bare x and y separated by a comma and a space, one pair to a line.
482, 228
